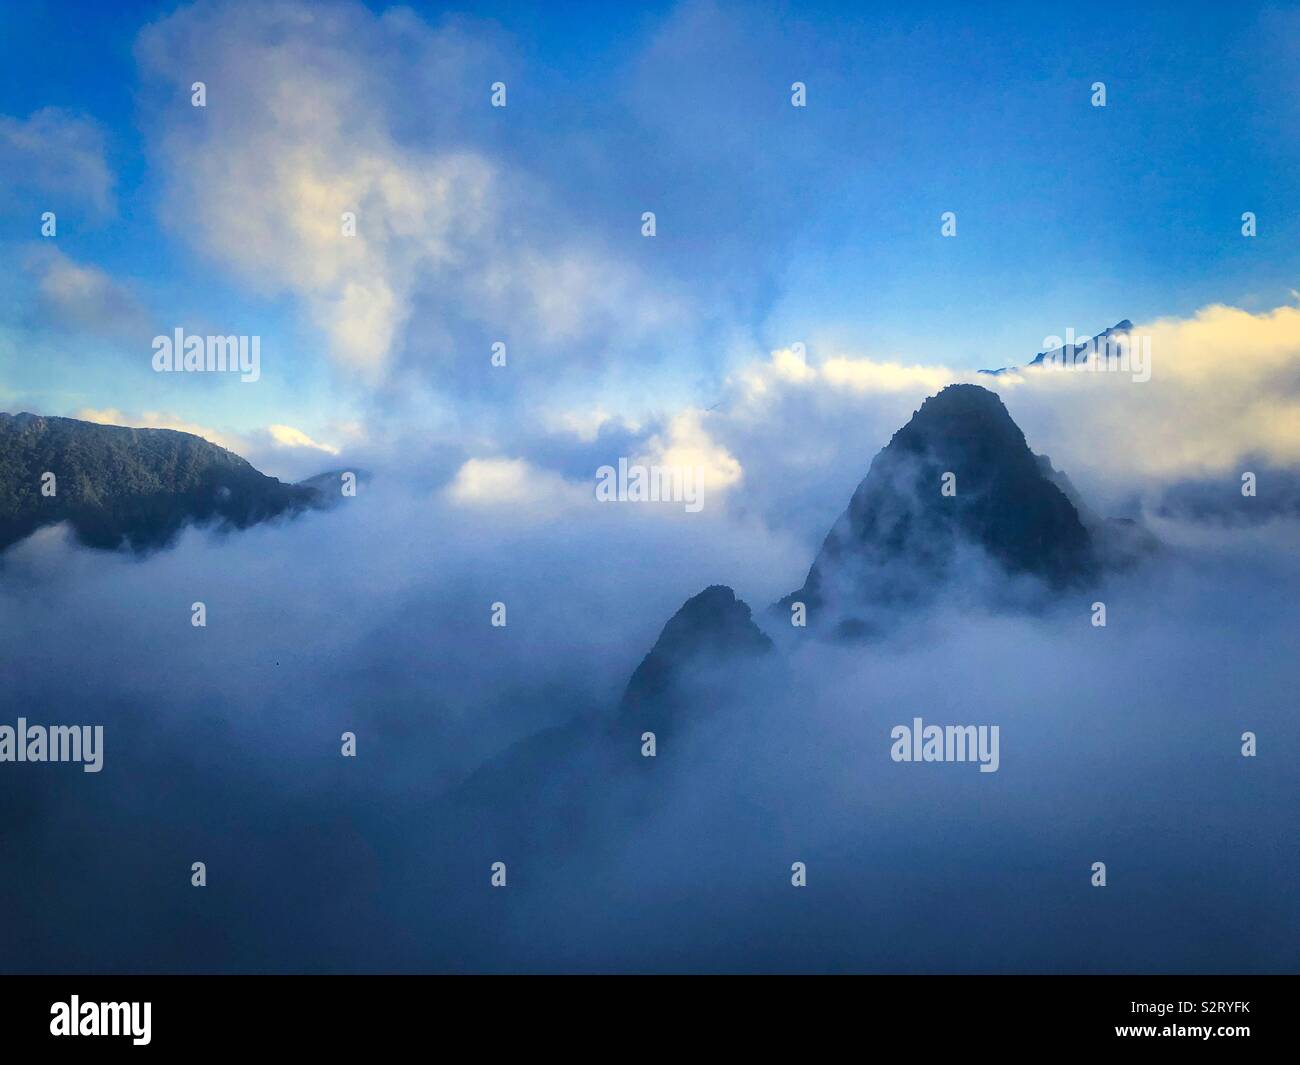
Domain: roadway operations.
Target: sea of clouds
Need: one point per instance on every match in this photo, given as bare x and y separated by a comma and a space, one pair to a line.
222, 744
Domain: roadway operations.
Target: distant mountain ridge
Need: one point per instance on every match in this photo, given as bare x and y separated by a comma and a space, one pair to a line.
1067, 354
1072, 354
118, 486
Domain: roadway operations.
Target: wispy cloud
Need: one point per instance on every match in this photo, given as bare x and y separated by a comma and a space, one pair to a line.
307, 107
83, 297
60, 158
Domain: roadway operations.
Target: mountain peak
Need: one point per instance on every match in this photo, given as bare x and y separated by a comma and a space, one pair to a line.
713, 621
1068, 353
964, 396
708, 629
957, 482
961, 413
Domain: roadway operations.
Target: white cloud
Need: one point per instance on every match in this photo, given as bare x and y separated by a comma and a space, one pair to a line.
515, 487
1225, 384
288, 436
866, 375
306, 119
685, 443
786, 369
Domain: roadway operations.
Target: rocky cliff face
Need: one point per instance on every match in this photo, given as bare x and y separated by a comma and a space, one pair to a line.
955, 488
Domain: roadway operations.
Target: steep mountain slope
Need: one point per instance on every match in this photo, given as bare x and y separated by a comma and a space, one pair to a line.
1118, 543
559, 787
711, 629
135, 487
955, 488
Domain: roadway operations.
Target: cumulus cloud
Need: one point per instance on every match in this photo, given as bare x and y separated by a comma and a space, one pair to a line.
309, 116
1224, 387
866, 375
679, 463
1224, 384
514, 486
288, 436
59, 157
684, 444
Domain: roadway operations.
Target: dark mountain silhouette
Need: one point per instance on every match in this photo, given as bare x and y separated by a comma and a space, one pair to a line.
120, 487
710, 628
903, 537
573, 783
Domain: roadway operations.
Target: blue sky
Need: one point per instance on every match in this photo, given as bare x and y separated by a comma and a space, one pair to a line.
775, 224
